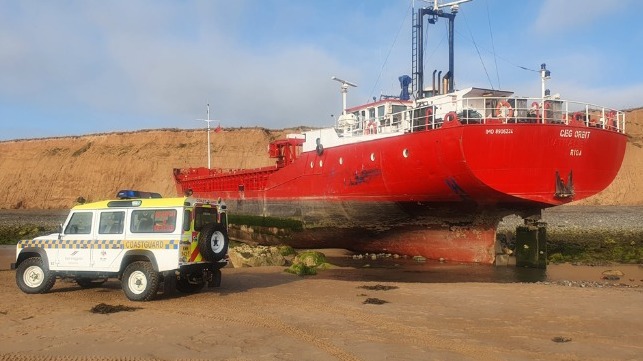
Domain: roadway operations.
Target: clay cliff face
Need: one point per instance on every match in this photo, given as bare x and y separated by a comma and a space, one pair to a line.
627, 188
52, 173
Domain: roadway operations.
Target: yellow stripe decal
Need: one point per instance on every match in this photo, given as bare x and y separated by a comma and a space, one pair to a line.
100, 244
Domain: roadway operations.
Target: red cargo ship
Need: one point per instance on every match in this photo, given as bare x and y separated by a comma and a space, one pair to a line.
431, 176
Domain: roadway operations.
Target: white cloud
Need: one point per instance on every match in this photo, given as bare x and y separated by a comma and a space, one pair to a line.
563, 15
131, 59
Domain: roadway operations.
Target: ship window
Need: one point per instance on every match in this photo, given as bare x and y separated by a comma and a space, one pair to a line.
311, 164
373, 157
405, 153
380, 111
321, 163
398, 108
341, 160
371, 113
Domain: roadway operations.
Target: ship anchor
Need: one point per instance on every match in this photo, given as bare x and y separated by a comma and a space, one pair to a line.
564, 190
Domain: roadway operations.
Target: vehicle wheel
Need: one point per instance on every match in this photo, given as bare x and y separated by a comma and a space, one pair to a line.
32, 276
90, 282
140, 282
213, 242
184, 286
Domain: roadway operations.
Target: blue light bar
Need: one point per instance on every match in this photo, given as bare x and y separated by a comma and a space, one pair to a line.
130, 194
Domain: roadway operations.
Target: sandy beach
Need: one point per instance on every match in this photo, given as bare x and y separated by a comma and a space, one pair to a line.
266, 314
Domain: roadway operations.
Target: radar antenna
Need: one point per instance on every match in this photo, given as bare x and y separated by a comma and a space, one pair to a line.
343, 90
438, 6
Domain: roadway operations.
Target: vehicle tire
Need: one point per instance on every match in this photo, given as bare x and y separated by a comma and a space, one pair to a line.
213, 242
90, 282
140, 281
184, 286
33, 276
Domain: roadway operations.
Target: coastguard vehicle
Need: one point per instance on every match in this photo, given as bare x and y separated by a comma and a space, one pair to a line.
140, 238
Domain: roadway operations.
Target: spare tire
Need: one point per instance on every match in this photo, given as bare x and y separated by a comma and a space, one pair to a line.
213, 242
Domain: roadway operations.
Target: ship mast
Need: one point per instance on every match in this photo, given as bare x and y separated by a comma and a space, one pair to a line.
417, 61
344, 91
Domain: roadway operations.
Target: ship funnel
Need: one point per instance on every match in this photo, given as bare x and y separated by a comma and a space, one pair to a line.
439, 77
445, 83
433, 89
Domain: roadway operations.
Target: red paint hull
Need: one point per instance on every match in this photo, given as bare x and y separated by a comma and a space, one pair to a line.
429, 179
443, 165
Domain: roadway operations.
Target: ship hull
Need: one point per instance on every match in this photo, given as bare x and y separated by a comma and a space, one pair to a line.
438, 193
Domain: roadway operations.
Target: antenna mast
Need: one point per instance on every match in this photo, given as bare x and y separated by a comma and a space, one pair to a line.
344, 91
417, 61
208, 121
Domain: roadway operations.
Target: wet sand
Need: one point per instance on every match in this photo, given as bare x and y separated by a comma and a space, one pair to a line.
436, 312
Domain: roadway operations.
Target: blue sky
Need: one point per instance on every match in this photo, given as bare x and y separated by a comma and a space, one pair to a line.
78, 67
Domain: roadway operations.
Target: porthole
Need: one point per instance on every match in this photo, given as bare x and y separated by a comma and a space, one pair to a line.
311, 164
373, 157
321, 163
405, 153
341, 160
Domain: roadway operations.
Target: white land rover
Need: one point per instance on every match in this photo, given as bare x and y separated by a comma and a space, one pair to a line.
140, 238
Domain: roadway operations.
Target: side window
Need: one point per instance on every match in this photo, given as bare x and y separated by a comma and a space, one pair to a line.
111, 222
153, 221
187, 218
80, 223
203, 216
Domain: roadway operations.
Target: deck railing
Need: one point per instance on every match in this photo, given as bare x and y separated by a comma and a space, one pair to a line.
488, 110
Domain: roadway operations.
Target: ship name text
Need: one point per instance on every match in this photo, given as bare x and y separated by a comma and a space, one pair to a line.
499, 131
569, 133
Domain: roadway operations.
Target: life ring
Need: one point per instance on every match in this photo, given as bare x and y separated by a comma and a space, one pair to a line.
504, 110
450, 116
534, 112
428, 115
371, 128
547, 114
